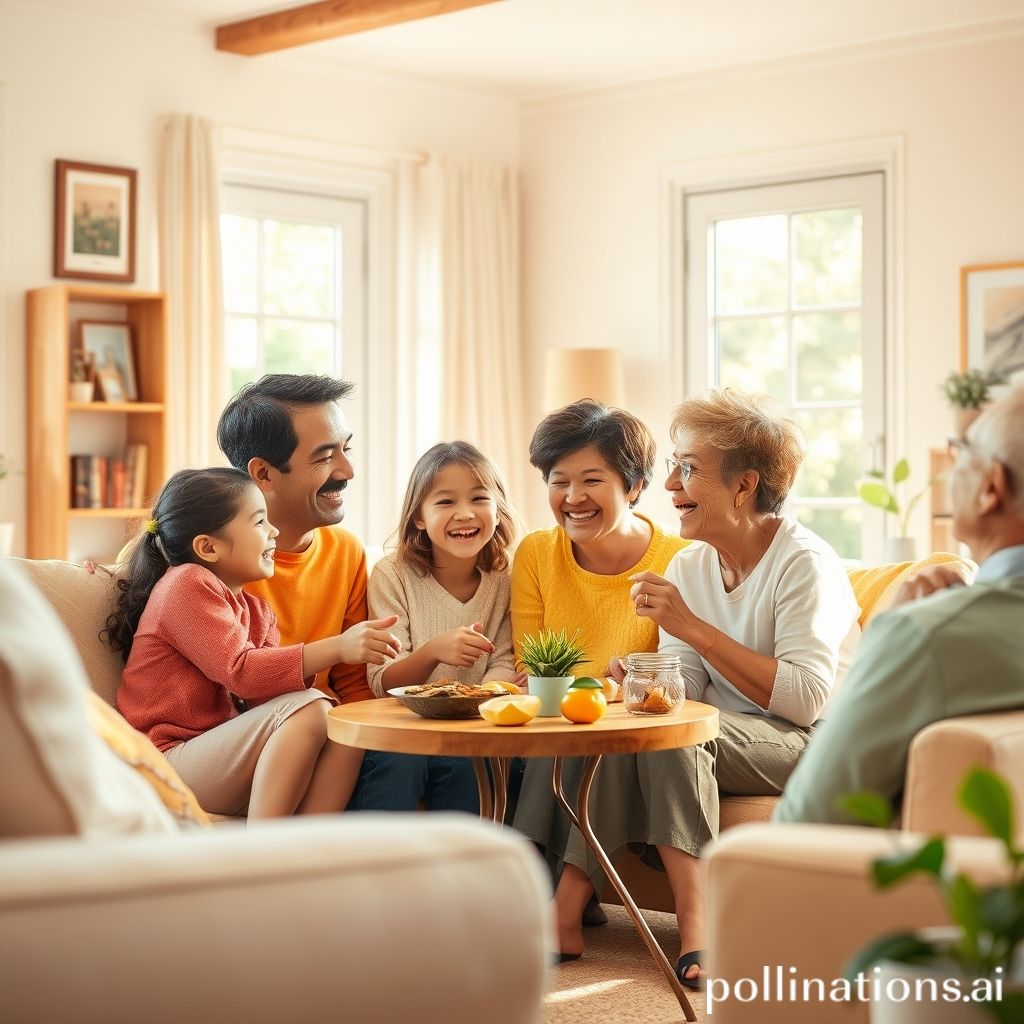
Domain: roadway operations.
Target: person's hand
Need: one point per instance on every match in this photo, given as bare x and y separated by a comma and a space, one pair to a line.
617, 670
655, 598
928, 581
369, 643
461, 647
520, 679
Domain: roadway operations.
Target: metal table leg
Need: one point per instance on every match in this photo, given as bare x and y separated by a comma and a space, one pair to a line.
580, 817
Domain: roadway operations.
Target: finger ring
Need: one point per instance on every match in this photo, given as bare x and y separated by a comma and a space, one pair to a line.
646, 601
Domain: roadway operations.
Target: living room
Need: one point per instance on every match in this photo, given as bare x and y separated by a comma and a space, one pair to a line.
606, 124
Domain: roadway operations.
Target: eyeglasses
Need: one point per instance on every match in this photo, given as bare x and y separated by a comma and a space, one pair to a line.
684, 467
956, 445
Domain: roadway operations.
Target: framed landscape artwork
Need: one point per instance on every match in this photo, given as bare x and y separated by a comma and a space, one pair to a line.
109, 346
94, 222
992, 319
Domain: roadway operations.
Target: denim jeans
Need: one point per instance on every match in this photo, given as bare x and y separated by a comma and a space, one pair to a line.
398, 782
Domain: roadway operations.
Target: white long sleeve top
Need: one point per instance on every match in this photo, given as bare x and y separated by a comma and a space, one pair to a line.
797, 606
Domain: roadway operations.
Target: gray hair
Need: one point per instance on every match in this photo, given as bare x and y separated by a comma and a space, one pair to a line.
999, 433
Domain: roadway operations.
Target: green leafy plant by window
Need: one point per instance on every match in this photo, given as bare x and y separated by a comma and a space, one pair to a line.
990, 919
551, 654
879, 493
970, 390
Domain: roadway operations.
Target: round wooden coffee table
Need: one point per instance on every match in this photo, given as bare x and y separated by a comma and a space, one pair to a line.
387, 725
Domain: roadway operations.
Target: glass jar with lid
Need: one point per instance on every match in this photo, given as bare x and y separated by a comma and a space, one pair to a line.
653, 684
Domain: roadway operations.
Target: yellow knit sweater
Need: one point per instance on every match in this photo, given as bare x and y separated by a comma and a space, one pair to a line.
550, 591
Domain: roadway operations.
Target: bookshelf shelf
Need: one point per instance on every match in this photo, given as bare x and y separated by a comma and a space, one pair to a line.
111, 407
59, 429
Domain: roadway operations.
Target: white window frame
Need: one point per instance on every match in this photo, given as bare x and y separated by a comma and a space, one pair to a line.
382, 401
883, 154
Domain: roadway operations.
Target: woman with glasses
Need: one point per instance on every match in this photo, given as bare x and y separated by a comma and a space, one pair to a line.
763, 618
596, 462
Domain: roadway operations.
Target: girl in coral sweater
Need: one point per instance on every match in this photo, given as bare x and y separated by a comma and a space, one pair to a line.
205, 677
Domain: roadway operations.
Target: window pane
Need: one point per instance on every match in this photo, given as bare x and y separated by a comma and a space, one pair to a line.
750, 264
238, 242
828, 356
296, 346
299, 269
243, 350
839, 526
752, 356
832, 465
827, 257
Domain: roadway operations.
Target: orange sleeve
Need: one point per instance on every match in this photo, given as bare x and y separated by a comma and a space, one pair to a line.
348, 682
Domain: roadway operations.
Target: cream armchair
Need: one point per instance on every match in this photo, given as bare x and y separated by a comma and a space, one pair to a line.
800, 895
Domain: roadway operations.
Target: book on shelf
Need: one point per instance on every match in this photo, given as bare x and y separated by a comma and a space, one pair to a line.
115, 481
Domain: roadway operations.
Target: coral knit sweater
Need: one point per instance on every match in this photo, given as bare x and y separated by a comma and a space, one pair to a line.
551, 591
318, 593
196, 645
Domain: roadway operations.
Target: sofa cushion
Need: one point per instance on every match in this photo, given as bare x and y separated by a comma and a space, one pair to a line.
56, 776
83, 600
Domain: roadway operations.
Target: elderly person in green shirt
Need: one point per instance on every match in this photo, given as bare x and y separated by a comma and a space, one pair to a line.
947, 650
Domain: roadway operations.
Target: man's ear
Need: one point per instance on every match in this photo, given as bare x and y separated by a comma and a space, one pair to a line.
261, 471
747, 483
206, 548
995, 493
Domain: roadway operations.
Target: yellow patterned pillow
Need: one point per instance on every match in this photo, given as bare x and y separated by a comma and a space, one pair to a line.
138, 752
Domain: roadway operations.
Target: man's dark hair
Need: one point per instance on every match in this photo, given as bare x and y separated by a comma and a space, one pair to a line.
257, 422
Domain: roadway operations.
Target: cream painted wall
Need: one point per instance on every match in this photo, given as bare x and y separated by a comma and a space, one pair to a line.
594, 270
89, 90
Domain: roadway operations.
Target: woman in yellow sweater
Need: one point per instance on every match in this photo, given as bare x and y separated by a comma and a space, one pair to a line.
596, 463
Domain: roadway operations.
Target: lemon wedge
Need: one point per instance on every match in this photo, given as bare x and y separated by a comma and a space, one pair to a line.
510, 710
496, 686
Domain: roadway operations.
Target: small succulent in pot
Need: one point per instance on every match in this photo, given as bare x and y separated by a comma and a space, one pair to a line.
550, 654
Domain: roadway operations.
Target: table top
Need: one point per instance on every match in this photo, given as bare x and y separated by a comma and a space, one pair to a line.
386, 724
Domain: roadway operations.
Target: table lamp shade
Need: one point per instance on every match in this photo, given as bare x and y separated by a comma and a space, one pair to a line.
574, 373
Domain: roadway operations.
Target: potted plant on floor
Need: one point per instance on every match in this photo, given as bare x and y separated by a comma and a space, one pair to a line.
548, 658
878, 493
968, 393
983, 953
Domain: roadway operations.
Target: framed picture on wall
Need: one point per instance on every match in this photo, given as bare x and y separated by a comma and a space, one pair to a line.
992, 319
94, 222
109, 344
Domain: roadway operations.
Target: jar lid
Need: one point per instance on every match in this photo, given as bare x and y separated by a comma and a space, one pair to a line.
653, 661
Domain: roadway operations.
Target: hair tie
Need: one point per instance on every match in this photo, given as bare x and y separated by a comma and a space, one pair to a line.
152, 526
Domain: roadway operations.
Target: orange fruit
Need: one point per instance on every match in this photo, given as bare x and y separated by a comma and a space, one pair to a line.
584, 703
499, 686
510, 710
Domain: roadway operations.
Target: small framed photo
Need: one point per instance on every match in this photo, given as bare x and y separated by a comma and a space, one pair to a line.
109, 346
94, 222
992, 319
111, 385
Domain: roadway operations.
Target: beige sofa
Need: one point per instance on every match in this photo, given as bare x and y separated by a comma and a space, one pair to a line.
357, 918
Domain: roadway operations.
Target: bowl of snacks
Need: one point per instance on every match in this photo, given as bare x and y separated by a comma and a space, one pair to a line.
448, 698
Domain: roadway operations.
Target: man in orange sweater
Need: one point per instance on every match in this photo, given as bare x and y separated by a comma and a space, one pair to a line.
289, 434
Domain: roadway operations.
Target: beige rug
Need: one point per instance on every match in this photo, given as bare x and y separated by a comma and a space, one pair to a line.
616, 981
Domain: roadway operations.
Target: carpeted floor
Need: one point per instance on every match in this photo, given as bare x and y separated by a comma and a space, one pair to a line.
616, 981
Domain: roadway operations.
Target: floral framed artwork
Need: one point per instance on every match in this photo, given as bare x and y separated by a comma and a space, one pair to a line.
94, 222
108, 345
992, 318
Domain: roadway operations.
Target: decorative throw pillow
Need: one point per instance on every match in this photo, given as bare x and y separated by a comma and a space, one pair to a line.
56, 776
138, 752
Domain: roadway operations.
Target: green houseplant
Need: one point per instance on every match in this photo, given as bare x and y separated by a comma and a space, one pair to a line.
549, 658
967, 393
989, 920
880, 493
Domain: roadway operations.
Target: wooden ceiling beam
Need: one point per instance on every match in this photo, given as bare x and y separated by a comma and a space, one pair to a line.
313, 23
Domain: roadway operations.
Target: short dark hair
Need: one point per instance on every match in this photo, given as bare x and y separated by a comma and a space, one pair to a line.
191, 503
623, 441
257, 422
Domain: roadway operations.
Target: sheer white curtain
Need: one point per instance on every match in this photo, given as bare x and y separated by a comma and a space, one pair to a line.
470, 355
190, 275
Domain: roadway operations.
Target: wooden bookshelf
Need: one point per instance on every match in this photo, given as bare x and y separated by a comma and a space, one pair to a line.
59, 428
940, 462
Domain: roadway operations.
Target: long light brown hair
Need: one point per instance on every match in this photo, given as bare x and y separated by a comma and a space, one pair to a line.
414, 545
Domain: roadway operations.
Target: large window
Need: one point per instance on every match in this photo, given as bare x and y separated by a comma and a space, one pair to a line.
784, 297
295, 290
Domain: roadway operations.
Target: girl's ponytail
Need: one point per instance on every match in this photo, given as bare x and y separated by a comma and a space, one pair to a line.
191, 503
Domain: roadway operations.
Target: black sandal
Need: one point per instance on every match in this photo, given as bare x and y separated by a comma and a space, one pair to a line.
684, 963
